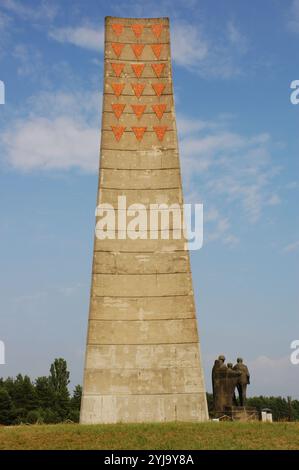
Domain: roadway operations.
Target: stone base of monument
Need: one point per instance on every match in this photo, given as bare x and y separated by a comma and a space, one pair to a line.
237, 413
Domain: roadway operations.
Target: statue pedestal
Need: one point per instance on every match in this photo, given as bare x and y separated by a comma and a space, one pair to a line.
237, 413
242, 413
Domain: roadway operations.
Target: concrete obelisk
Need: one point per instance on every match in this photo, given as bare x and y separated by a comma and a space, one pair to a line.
143, 359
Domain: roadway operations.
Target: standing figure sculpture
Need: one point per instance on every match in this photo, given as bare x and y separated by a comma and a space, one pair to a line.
243, 380
224, 380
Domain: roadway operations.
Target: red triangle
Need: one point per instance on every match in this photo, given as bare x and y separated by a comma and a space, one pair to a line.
158, 88
137, 49
159, 109
138, 69
138, 109
118, 131
117, 47
160, 131
137, 29
157, 29
138, 88
139, 131
158, 69
117, 28
117, 88
118, 109
157, 49
118, 68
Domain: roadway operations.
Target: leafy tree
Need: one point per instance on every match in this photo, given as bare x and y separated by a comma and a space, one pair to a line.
59, 380
76, 398
74, 413
45, 394
5, 407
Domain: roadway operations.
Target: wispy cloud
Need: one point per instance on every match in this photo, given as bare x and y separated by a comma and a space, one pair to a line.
195, 50
189, 48
5, 26
293, 21
62, 132
87, 37
291, 247
44, 10
237, 38
230, 173
29, 60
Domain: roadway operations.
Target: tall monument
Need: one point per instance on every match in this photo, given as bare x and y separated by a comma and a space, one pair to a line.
142, 360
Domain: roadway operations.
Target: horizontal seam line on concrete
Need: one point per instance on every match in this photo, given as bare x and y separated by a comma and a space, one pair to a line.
140, 394
138, 274
142, 368
143, 320
139, 189
139, 169
143, 95
146, 252
136, 149
133, 114
127, 131
139, 296
136, 61
138, 43
144, 77
149, 252
145, 26
138, 344
141, 274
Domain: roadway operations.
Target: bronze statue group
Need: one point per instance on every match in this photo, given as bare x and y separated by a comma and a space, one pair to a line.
225, 380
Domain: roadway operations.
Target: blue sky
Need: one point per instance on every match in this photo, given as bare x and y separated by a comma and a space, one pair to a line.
233, 63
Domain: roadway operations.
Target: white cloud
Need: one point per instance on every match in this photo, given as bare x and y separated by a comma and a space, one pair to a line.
187, 126
5, 23
232, 168
62, 132
292, 247
29, 60
293, 23
274, 200
188, 46
292, 185
217, 58
274, 376
230, 173
236, 38
86, 37
45, 10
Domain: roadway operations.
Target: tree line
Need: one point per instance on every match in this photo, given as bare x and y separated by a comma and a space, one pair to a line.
44, 400
48, 400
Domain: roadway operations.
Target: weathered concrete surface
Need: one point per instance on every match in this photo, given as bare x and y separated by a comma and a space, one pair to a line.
142, 358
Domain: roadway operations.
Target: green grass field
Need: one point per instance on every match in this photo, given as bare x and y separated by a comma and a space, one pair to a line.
180, 436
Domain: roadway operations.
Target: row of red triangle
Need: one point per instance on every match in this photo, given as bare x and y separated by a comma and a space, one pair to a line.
137, 29
137, 49
139, 131
137, 69
138, 109
138, 88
